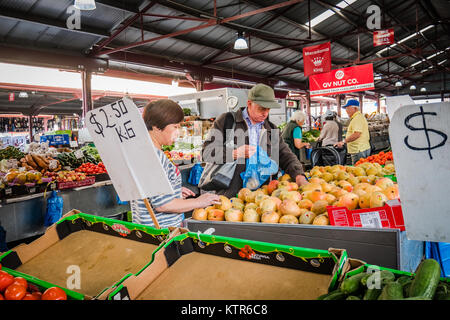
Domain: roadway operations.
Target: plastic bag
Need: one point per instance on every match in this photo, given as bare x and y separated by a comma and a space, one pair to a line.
120, 201
54, 209
258, 169
3, 246
195, 174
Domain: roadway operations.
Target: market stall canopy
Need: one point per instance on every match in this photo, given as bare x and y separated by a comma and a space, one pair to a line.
196, 37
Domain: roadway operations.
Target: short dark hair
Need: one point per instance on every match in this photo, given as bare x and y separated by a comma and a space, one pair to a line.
161, 113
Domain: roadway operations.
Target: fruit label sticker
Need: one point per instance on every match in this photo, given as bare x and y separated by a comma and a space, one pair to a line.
123, 142
420, 142
370, 219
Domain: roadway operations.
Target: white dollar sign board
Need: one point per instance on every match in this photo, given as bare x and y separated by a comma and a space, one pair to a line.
123, 142
420, 139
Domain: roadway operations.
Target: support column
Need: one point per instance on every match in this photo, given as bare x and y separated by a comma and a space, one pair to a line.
361, 102
308, 108
378, 104
30, 126
88, 103
339, 103
199, 85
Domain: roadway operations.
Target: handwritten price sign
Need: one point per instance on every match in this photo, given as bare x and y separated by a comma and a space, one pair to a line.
124, 144
419, 137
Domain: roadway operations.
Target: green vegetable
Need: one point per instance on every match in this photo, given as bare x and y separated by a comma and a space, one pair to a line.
336, 295
404, 280
426, 279
352, 298
416, 298
372, 294
391, 291
384, 276
364, 279
352, 284
442, 292
11, 152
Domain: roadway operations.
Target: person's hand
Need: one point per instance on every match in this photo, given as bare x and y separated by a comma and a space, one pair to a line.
340, 144
207, 199
308, 145
245, 151
301, 180
186, 192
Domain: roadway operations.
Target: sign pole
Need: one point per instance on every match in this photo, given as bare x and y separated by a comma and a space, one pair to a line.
152, 214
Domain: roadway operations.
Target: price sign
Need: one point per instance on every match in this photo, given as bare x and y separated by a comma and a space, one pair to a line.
420, 142
79, 154
123, 142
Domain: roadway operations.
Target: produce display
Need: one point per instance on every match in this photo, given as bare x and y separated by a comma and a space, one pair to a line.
41, 164
380, 158
425, 284
91, 168
310, 136
17, 288
283, 201
11, 153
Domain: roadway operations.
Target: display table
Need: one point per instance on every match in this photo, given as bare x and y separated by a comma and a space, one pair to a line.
23, 217
383, 247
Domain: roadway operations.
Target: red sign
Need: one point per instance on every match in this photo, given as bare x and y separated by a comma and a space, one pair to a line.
357, 78
383, 37
11, 96
317, 59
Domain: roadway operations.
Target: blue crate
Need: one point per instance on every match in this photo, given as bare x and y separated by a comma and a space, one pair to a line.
439, 251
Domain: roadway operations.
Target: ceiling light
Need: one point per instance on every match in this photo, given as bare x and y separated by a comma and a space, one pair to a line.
240, 43
398, 84
85, 4
423, 89
413, 87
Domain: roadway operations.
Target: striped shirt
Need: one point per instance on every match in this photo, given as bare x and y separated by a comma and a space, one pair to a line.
254, 130
140, 214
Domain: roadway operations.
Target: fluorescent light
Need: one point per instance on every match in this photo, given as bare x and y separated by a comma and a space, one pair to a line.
406, 38
85, 4
328, 13
439, 63
240, 44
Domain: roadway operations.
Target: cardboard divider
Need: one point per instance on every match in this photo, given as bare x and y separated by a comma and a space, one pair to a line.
102, 250
216, 271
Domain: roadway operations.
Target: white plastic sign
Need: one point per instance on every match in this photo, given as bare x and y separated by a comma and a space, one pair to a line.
395, 102
125, 147
420, 139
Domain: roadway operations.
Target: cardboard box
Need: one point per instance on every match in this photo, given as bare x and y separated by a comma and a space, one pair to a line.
388, 216
44, 285
225, 268
95, 251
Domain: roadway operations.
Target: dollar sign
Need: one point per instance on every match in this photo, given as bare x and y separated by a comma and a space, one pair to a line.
429, 148
95, 122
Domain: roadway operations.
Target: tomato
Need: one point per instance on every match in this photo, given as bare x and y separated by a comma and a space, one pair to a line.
21, 281
54, 293
37, 295
15, 292
1, 297
29, 296
5, 280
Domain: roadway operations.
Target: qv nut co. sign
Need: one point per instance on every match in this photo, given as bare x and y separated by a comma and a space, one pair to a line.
357, 78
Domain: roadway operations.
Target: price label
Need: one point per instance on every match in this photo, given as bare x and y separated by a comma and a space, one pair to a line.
79, 154
73, 144
121, 136
370, 219
8, 191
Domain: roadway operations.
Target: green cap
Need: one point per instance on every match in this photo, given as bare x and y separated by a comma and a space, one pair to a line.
264, 96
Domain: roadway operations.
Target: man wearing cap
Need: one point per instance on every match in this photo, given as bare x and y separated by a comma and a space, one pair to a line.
252, 129
357, 137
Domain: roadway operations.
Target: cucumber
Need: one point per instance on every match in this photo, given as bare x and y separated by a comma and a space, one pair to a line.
327, 294
364, 279
385, 276
442, 292
352, 298
372, 294
337, 295
391, 291
426, 279
352, 284
406, 289
404, 280
416, 298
